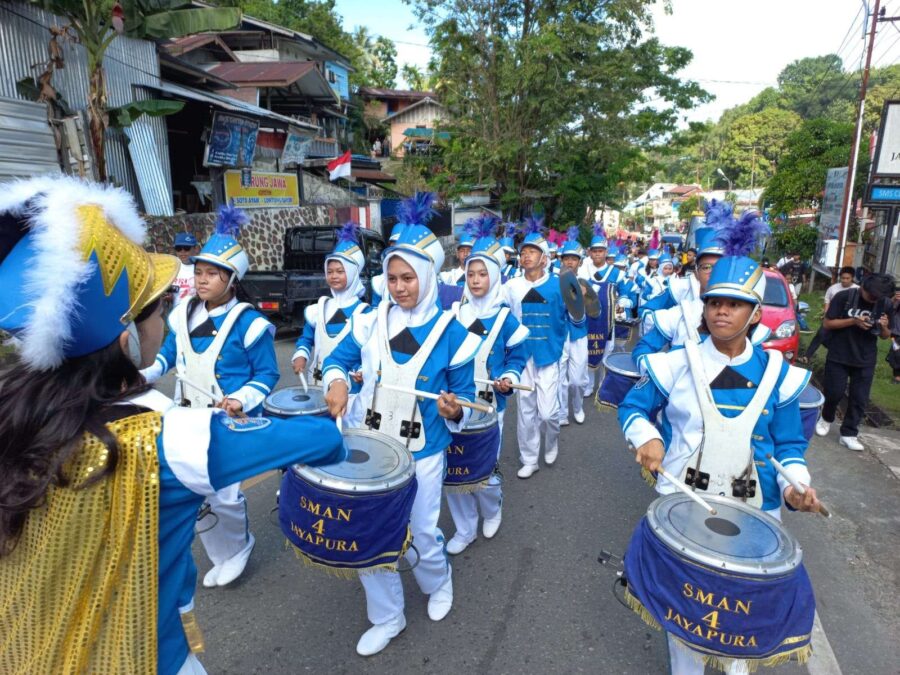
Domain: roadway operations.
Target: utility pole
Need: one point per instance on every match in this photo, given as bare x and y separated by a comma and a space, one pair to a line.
847, 207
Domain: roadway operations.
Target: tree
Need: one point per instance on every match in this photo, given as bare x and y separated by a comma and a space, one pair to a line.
754, 143
378, 59
96, 23
416, 78
687, 208
809, 86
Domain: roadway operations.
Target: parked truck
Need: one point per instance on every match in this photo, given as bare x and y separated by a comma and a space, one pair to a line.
282, 295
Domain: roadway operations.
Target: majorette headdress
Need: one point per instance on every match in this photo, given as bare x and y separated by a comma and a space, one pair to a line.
599, 238
347, 248
486, 245
533, 229
223, 249
469, 233
706, 242
416, 238
571, 246
508, 241
735, 275
72, 267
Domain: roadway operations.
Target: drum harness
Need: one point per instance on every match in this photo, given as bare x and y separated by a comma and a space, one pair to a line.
484, 351
324, 343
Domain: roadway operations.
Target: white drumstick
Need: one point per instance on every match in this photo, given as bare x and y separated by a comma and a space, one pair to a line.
686, 490
302, 377
794, 483
520, 387
197, 387
339, 421
435, 397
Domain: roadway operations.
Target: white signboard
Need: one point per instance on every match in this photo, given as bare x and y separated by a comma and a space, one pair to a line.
887, 157
295, 148
830, 220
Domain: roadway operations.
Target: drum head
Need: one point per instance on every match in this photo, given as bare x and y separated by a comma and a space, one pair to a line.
294, 401
377, 463
811, 397
621, 363
739, 538
479, 421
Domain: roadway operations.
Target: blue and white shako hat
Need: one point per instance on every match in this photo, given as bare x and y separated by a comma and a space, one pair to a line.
707, 243
416, 238
653, 254
469, 234
533, 229
599, 238
486, 245
185, 239
347, 248
396, 231
507, 241
736, 275
552, 246
617, 257
223, 249
73, 268
572, 246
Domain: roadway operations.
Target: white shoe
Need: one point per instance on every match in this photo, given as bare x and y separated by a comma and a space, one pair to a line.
579, 416
564, 422
232, 568
209, 580
852, 442
457, 545
441, 601
528, 471
379, 636
550, 456
491, 525
588, 394
822, 427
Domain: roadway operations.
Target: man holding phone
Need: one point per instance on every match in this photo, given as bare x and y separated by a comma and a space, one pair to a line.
856, 319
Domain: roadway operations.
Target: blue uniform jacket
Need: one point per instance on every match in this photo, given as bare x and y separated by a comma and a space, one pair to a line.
508, 355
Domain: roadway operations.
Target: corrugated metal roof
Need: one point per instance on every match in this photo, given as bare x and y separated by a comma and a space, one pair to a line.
376, 92
416, 132
264, 73
183, 45
414, 106
27, 146
373, 175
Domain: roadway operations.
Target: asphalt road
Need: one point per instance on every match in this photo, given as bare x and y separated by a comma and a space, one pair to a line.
534, 599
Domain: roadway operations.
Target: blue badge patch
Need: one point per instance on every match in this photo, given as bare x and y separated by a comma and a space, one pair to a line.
244, 423
641, 382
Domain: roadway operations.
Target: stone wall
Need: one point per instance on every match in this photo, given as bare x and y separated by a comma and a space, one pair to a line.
263, 237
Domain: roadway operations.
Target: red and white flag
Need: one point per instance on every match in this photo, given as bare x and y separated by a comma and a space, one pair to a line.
340, 167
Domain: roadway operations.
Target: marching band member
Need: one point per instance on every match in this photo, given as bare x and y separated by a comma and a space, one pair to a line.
227, 349
411, 343
638, 261
508, 244
736, 401
457, 276
647, 274
536, 301
501, 357
595, 262
103, 477
378, 281
573, 367
553, 264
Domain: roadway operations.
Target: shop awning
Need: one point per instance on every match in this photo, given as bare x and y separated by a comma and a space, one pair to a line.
302, 75
430, 134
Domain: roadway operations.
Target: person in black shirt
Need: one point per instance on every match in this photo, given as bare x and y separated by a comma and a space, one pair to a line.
856, 319
795, 272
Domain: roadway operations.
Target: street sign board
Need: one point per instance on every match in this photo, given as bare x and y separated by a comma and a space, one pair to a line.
887, 153
830, 220
232, 140
883, 194
264, 190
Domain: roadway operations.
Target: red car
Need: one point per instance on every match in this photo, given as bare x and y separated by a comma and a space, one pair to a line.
779, 315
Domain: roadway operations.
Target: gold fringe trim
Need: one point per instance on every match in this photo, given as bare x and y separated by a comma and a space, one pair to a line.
604, 407
349, 572
192, 632
723, 663
466, 489
648, 477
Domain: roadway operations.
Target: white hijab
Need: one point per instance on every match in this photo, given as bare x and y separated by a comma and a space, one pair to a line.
489, 304
427, 302
354, 289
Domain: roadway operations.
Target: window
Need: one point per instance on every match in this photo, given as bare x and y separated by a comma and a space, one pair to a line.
776, 293
331, 77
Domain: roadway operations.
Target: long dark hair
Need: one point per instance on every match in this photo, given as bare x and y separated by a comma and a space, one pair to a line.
43, 416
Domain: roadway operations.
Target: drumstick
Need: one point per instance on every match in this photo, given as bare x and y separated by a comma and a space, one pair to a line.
197, 387
686, 490
302, 377
521, 387
794, 483
435, 397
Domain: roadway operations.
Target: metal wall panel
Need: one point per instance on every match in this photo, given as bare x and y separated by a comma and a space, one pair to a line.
27, 145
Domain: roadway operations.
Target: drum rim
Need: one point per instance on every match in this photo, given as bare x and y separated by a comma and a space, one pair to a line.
277, 410
328, 482
492, 417
818, 403
761, 570
633, 374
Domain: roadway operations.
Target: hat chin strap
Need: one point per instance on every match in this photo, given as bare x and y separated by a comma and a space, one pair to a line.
134, 344
228, 287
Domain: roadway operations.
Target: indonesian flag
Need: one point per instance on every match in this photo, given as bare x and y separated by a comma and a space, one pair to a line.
340, 167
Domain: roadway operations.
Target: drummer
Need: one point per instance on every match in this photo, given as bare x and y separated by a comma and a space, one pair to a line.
416, 346
226, 348
595, 267
735, 370
573, 367
501, 357
508, 244
378, 281
342, 273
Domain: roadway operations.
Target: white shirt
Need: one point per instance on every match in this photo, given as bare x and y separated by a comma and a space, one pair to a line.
184, 280
834, 289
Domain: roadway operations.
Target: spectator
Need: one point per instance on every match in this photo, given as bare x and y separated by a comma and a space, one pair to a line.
376, 148
689, 262
856, 318
845, 281
186, 246
893, 355
795, 272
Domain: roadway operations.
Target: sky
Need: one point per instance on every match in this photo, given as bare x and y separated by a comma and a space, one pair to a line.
739, 46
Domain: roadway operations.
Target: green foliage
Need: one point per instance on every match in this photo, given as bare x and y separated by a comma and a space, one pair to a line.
687, 208
126, 114
416, 78
796, 238
754, 143
378, 59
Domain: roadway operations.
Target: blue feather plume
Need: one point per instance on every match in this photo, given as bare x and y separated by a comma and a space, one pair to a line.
485, 225
572, 233
598, 230
740, 236
349, 231
509, 230
471, 227
534, 224
418, 209
718, 213
229, 220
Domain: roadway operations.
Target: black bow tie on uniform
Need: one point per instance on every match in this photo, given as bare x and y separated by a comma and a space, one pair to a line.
404, 342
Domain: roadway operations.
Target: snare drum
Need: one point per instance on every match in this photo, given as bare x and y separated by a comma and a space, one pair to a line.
293, 402
472, 453
621, 375
730, 586
811, 402
353, 515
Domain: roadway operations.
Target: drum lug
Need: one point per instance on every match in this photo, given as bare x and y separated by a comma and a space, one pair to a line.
743, 489
373, 419
317, 375
486, 395
697, 479
405, 429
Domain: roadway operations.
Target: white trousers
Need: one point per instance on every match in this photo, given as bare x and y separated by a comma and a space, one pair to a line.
384, 590
191, 666
596, 374
231, 532
573, 376
465, 507
538, 412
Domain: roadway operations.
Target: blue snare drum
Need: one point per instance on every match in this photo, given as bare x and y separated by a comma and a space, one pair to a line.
811, 402
472, 453
730, 586
293, 401
353, 515
621, 375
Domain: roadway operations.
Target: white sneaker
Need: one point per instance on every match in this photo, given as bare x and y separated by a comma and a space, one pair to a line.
441, 601
822, 427
588, 394
564, 422
579, 416
379, 636
209, 580
852, 442
550, 456
528, 471
457, 545
232, 568
491, 525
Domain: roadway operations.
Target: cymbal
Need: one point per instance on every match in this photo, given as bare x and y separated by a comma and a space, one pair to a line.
591, 300
573, 295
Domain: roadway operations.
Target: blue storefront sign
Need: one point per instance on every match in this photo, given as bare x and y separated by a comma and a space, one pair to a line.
232, 141
884, 194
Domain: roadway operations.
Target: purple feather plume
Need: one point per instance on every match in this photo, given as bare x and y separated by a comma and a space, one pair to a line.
740, 236
509, 230
229, 220
485, 225
349, 231
533, 225
598, 230
572, 233
417, 210
718, 213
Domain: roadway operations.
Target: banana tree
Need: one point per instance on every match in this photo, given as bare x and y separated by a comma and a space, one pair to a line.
96, 23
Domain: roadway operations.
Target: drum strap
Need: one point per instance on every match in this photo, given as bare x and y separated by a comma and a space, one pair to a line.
484, 351
324, 343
